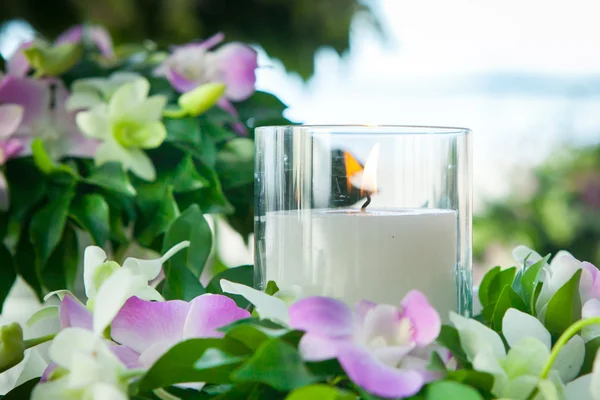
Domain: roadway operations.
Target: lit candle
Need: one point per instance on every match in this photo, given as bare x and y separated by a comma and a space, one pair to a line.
374, 254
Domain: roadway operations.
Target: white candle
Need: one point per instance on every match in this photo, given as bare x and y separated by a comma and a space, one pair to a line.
377, 255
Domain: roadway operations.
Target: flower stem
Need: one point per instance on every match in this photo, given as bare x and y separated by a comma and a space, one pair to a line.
162, 394
563, 339
35, 341
174, 113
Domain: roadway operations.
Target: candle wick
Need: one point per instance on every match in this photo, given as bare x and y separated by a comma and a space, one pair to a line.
364, 206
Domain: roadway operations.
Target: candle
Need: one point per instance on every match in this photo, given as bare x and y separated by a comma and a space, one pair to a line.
377, 255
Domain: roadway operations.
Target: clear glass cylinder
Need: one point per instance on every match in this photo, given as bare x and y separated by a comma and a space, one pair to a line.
365, 212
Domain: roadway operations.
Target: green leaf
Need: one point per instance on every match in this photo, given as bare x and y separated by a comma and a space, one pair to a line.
185, 130
526, 279
185, 177
47, 226
211, 199
27, 266
43, 161
271, 288
321, 392
158, 209
476, 379
436, 363
243, 274
277, 364
449, 390
235, 163
7, 273
92, 212
262, 109
536, 293
252, 332
24, 194
215, 131
22, 391
485, 285
591, 348
450, 339
178, 364
564, 307
181, 284
112, 177
502, 279
60, 271
190, 225
508, 299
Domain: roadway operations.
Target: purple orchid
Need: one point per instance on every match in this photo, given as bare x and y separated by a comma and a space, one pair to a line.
151, 328
380, 347
97, 34
11, 116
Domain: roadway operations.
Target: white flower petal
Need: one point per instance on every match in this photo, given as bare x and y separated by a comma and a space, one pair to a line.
520, 388
104, 391
487, 362
522, 252
150, 269
59, 293
83, 101
113, 293
570, 358
517, 325
267, 307
140, 164
150, 110
579, 388
148, 293
46, 312
94, 123
93, 257
69, 342
595, 378
53, 390
477, 338
32, 366
128, 98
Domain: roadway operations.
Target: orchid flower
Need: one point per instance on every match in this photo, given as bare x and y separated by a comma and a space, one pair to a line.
377, 345
586, 387
108, 286
86, 369
516, 372
11, 116
97, 35
90, 92
558, 272
194, 64
129, 123
151, 328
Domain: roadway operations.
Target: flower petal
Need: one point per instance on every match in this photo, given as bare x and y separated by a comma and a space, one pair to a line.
69, 342
32, 95
128, 98
153, 134
150, 110
570, 358
71, 35
18, 64
112, 295
425, 319
237, 65
590, 309
376, 377
140, 164
520, 253
102, 40
103, 391
517, 325
151, 268
179, 81
93, 257
322, 316
140, 323
154, 352
74, 314
314, 347
267, 307
126, 355
82, 101
579, 388
94, 123
477, 338
11, 116
209, 312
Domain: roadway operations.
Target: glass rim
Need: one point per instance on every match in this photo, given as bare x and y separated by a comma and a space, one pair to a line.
373, 128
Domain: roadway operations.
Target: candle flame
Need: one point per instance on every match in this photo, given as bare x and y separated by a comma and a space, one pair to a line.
353, 168
369, 178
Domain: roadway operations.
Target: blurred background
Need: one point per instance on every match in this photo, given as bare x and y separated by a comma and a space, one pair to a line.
523, 75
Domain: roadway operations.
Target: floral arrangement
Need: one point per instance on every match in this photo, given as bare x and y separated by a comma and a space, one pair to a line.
111, 144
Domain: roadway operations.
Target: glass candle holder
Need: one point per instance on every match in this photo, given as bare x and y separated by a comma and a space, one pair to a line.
365, 212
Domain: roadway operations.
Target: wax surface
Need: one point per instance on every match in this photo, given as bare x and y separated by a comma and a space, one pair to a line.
377, 255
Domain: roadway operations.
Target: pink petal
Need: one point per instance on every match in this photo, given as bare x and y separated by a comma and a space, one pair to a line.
127, 356
425, 319
362, 308
140, 323
154, 352
377, 378
180, 82
46, 374
32, 95
102, 40
209, 312
392, 355
71, 35
226, 105
18, 64
323, 316
12, 148
591, 309
73, 314
11, 116
381, 321
206, 44
319, 348
237, 65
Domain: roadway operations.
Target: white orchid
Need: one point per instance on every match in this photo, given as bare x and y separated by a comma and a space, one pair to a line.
129, 123
516, 372
273, 307
90, 92
586, 387
86, 369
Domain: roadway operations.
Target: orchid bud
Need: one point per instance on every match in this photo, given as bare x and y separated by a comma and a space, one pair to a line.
200, 99
53, 60
12, 346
